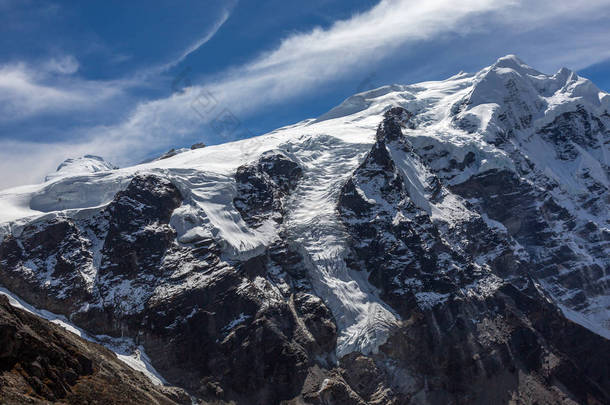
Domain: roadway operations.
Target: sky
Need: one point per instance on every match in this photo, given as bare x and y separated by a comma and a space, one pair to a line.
130, 80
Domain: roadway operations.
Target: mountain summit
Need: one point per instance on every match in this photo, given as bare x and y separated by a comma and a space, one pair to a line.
440, 242
82, 165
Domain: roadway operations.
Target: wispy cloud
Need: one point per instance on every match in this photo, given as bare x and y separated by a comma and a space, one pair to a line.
209, 33
28, 162
52, 86
306, 61
25, 92
65, 65
226, 13
301, 63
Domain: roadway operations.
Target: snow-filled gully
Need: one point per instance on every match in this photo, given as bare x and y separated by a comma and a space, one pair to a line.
314, 228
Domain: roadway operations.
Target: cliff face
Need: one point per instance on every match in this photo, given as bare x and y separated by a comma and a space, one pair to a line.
445, 242
480, 329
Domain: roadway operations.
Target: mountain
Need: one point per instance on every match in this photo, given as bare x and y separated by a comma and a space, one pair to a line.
441, 242
82, 165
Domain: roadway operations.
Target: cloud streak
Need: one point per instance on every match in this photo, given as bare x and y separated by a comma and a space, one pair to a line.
308, 60
25, 92
301, 63
226, 13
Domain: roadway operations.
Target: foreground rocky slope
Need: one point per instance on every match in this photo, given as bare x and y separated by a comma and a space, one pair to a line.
445, 242
41, 362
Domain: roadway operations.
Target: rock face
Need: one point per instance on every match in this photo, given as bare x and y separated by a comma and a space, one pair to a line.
263, 185
476, 325
412, 257
41, 362
402, 249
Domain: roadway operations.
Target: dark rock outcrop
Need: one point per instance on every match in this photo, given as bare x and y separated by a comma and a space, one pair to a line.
572, 129
262, 185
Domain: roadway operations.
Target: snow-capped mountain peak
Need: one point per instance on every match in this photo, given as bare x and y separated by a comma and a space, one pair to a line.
463, 219
514, 63
83, 165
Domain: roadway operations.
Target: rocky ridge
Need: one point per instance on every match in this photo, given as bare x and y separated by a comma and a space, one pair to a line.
41, 362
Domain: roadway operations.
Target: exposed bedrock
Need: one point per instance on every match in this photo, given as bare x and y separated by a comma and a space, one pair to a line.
263, 184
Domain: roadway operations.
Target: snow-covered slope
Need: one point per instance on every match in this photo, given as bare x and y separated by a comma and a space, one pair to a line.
82, 165
509, 156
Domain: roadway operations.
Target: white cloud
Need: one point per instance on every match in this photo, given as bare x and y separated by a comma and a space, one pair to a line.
25, 92
65, 65
306, 60
225, 13
301, 63
28, 162
51, 86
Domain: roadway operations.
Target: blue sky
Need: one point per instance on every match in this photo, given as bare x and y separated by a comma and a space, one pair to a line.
128, 80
